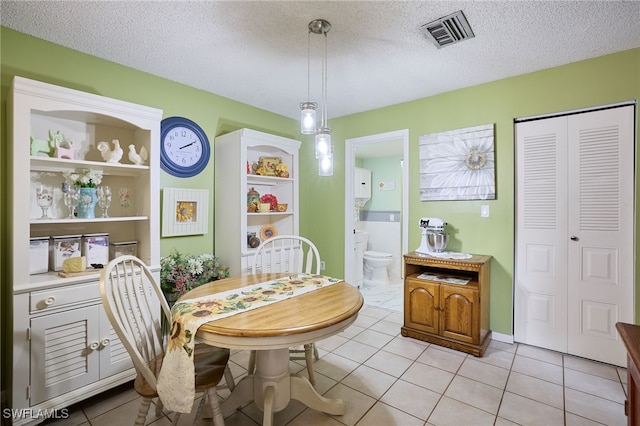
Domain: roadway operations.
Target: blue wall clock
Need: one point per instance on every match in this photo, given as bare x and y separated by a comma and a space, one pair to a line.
184, 147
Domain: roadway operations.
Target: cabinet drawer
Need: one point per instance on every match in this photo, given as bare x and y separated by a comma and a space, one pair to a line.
59, 297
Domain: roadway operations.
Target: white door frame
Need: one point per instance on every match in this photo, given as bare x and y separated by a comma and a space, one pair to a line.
349, 208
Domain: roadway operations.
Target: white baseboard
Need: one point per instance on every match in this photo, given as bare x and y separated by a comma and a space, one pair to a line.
505, 338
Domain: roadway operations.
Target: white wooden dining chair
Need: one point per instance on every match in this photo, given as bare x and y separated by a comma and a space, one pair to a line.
134, 304
294, 254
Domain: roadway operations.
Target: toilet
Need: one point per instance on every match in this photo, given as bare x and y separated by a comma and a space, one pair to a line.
376, 266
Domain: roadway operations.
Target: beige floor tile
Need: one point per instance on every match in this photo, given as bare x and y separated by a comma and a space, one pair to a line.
382, 414
413, 399
365, 321
455, 413
591, 367
499, 358
428, 377
334, 366
526, 411
406, 347
594, 408
280, 418
441, 359
374, 311
109, 400
483, 372
351, 331
573, 420
540, 354
369, 381
239, 419
622, 374
386, 327
502, 422
476, 394
395, 317
594, 385
331, 343
126, 414
389, 363
503, 346
373, 338
72, 416
311, 417
357, 403
540, 369
536, 389
355, 351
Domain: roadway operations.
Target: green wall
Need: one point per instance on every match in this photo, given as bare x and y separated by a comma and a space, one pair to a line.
603, 80
385, 169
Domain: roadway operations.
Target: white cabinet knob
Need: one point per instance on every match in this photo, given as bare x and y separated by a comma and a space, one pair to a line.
105, 342
94, 346
50, 300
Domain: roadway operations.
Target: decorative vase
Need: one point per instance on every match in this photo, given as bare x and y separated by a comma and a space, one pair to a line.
87, 204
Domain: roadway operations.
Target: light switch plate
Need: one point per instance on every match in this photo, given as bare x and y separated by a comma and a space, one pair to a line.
484, 210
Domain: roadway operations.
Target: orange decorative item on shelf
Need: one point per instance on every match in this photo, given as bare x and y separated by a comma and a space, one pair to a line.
271, 199
282, 207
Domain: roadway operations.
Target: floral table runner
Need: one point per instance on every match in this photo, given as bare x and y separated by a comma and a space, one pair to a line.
175, 382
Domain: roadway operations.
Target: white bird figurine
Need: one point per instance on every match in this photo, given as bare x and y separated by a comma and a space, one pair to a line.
136, 158
109, 155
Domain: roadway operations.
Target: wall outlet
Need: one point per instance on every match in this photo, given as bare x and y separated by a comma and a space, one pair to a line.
322, 265
484, 210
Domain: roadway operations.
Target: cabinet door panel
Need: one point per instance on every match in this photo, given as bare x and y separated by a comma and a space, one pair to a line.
420, 306
460, 313
61, 357
114, 357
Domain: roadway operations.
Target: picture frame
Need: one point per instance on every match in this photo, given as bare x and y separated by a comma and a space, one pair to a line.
458, 164
185, 212
267, 166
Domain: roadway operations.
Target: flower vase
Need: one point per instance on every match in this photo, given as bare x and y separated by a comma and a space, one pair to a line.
87, 204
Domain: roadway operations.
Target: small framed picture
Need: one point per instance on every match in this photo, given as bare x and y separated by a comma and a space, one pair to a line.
185, 212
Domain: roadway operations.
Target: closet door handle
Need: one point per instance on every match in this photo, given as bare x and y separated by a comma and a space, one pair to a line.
574, 238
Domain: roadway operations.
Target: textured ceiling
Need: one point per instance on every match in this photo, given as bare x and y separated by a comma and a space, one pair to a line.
256, 52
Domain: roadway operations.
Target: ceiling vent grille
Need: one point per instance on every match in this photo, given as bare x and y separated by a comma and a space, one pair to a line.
448, 30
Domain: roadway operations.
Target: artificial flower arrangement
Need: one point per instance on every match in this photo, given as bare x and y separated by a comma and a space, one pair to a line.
85, 178
180, 273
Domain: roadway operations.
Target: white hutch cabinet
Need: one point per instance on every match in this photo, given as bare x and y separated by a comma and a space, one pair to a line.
64, 349
237, 171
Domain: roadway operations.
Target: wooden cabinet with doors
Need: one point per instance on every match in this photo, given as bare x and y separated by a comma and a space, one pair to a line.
630, 335
446, 301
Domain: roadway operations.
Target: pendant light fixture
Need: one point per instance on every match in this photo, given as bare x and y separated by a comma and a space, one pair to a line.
323, 147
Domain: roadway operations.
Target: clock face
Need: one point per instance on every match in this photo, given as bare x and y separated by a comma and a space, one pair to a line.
184, 147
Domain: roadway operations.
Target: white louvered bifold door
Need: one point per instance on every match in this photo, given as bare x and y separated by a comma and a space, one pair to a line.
601, 199
63, 352
540, 291
574, 232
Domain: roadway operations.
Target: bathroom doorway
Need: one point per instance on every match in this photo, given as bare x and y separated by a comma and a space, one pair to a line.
386, 151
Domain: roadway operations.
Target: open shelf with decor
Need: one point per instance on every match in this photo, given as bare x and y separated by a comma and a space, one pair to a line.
253, 168
64, 349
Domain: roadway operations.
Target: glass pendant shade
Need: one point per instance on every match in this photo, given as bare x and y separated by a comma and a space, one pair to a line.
308, 117
325, 166
323, 142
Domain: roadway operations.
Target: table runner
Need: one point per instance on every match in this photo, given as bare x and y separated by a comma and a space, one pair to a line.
176, 378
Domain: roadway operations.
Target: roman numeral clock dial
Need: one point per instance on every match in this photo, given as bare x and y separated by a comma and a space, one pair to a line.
184, 148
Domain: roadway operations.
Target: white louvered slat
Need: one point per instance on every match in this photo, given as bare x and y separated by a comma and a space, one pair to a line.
540, 182
599, 179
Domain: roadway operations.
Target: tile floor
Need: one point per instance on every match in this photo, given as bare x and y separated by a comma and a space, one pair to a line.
387, 379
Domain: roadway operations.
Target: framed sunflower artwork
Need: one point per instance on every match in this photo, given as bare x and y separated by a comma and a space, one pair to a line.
185, 212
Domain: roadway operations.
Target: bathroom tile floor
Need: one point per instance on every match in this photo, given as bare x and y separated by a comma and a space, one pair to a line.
386, 379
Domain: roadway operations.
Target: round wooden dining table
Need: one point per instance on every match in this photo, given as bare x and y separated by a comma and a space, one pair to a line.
271, 330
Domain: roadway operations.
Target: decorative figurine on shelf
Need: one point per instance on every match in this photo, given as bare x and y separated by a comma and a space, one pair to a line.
110, 155
67, 151
282, 170
136, 158
253, 199
42, 148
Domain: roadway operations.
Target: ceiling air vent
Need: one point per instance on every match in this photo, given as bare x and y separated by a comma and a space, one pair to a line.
448, 30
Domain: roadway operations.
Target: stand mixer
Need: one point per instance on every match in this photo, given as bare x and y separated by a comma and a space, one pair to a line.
434, 239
